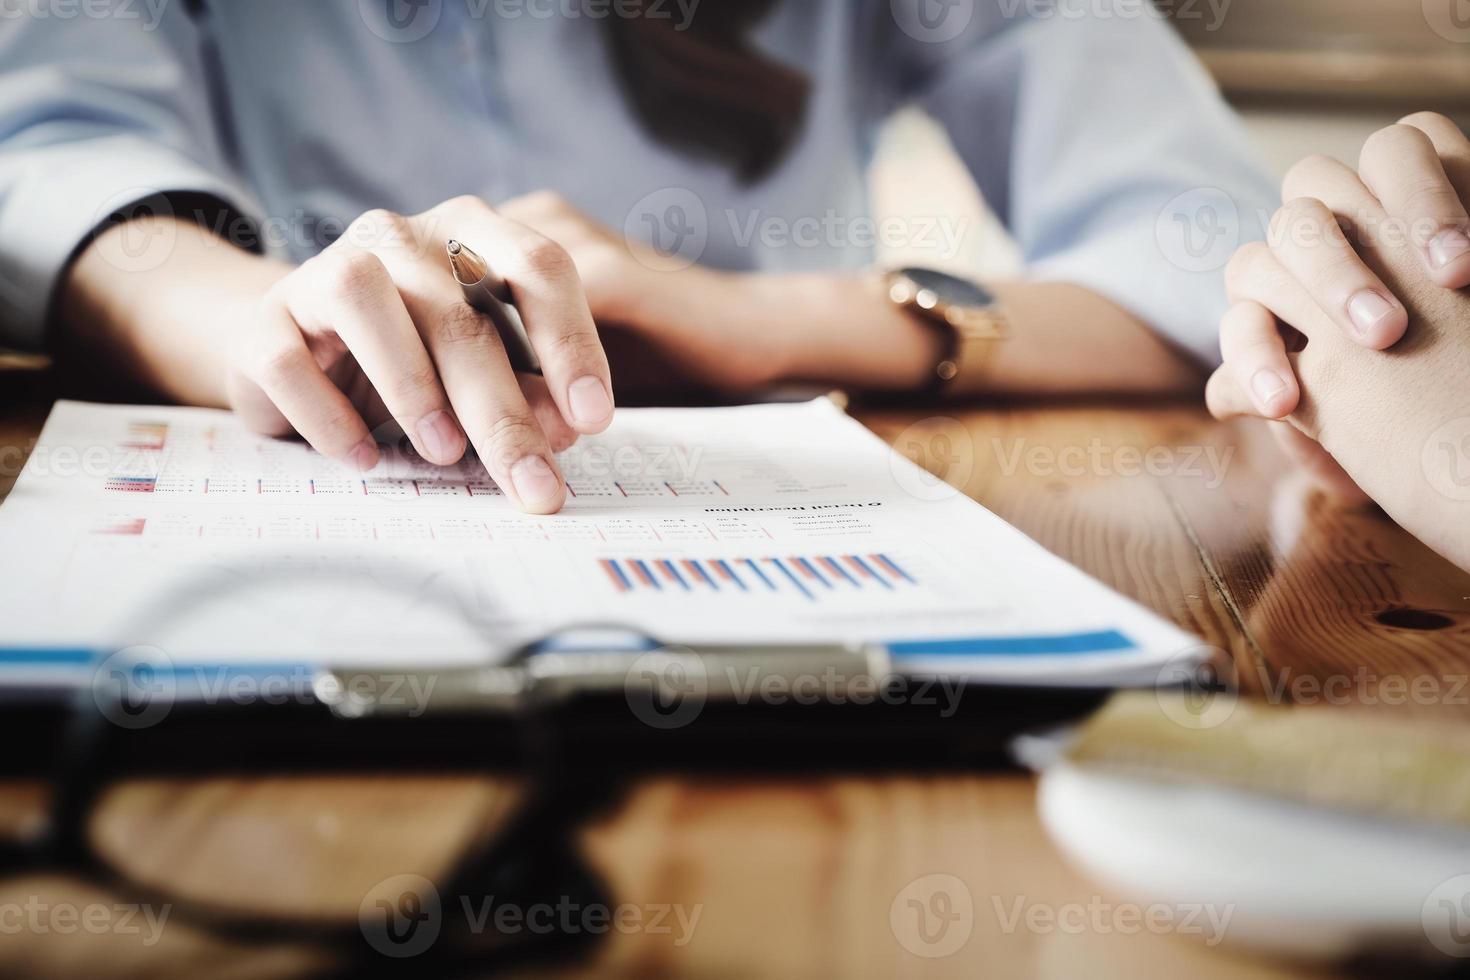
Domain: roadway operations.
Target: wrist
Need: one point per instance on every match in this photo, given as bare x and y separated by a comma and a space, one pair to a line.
844, 329
748, 315
169, 321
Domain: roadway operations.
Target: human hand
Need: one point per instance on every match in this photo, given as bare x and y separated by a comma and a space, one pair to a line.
1374, 412
1418, 172
375, 327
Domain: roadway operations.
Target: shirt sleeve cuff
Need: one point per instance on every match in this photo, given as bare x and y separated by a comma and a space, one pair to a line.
62, 195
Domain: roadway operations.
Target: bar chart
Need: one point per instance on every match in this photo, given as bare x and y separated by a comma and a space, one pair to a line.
809, 577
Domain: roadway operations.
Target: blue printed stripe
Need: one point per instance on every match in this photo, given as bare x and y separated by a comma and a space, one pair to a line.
981, 646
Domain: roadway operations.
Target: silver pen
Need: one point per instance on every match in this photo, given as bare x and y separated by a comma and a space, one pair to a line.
490, 294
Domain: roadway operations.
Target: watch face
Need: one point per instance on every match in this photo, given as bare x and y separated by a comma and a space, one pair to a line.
951, 290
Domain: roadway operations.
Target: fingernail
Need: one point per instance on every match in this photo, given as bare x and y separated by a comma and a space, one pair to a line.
1367, 309
365, 456
1267, 384
535, 481
441, 436
1448, 246
589, 400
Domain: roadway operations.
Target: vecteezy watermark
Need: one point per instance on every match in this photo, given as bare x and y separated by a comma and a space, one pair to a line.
1199, 230
1202, 228
1098, 916
933, 21
403, 916
1097, 458
943, 457
1363, 686
670, 229
667, 230
137, 687
933, 916
672, 463
1212, 12
94, 462
401, 21
149, 13
1446, 459
406, 21
1450, 19
35, 916
679, 12
1197, 689
137, 232
669, 688
941, 236
1446, 916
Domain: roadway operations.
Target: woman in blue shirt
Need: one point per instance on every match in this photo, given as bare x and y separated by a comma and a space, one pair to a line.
247, 204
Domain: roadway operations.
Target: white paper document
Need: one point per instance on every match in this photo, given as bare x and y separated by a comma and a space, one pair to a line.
176, 529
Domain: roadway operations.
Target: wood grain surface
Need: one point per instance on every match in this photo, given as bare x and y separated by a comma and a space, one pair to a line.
807, 875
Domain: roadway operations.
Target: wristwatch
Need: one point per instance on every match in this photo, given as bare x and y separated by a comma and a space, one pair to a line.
963, 313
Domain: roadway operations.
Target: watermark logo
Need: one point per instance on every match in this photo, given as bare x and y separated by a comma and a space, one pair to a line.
37, 917
401, 916
1446, 916
944, 458
149, 13
938, 236
933, 916
668, 230
1101, 917
1209, 464
401, 21
933, 21
1195, 688
127, 239
1199, 230
680, 12
1211, 12
1450, 19
135, 688
666, 689
1446, 459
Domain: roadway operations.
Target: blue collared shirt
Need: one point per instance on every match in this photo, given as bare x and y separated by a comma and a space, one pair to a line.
1089, 128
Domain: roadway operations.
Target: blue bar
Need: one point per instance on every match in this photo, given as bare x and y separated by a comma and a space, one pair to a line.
882, 580
724, 567
1103, 642
639, 563
897, 568
46, 657
840, 570
816, 574
669, 567
618, 571
792, 576
760, 574
708, 578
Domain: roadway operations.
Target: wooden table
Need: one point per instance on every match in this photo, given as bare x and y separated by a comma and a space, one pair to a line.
796, 875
